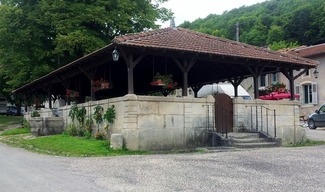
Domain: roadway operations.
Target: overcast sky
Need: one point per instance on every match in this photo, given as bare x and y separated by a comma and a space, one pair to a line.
190, 10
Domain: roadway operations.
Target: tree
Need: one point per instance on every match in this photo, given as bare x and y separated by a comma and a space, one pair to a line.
271, 21
282, 44
37, 37
275, 34
300, 25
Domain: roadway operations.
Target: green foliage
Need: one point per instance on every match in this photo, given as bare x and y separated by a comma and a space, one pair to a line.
69, 146
282, 44
88, 124
73, 112
16, 131
10, 120
110, 114
275, 34
40, 36
26, 124
269, 22
87, 134
35, 114
100, 136
98, 114
71, 130
81, 115
63, 145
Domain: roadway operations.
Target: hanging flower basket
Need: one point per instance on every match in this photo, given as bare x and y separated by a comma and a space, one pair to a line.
158, 82
71, 93
166, 81
100, 85
277, 87
104, 85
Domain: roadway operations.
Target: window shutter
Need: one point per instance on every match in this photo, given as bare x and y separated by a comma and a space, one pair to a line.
314, 93
297, 91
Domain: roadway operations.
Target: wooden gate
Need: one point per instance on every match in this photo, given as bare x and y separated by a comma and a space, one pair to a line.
223, 113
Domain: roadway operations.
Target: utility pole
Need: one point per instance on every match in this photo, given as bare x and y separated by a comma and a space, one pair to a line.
237, 31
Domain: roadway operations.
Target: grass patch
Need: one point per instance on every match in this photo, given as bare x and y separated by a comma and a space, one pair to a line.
6, 121
15, 131
306, 143
64, 145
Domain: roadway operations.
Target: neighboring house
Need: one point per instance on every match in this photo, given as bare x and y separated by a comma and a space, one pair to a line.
310, 89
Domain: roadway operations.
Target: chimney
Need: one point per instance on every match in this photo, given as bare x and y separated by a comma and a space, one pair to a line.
172, 23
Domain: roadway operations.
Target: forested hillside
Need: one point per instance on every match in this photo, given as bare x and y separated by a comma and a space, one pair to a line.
274, 22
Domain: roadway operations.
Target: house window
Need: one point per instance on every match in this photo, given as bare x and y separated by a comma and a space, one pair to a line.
308, 96
308, 93
274, 78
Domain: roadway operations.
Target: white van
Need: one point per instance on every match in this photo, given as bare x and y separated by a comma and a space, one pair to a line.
226, 88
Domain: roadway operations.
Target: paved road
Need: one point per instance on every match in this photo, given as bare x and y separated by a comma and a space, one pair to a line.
275, 169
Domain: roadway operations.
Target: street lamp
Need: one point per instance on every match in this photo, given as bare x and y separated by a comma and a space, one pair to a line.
115, 55
316, 73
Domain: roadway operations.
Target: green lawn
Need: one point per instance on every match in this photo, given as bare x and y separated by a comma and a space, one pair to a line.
15, 131
6, 121
62, 145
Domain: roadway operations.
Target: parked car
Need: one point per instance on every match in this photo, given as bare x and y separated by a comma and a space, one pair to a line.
317, 119
11, 110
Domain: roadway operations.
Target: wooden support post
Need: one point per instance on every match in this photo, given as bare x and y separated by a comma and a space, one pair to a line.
289, 74
91, 77
196, 89
185, 66
236, 82
48, 89
256, 72
130, 63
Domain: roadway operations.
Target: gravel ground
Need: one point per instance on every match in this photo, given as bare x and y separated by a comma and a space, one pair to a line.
270, 169
317, 134
276, 169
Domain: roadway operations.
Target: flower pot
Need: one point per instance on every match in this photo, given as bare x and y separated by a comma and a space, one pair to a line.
104, 85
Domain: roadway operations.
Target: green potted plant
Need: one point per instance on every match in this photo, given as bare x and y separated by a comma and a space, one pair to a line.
165, 81
161, 80
98, 115
109, 117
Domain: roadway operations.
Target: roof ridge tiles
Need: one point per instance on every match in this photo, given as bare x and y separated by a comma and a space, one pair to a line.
197, 42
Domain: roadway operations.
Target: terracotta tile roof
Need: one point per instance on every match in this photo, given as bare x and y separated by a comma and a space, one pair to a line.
308, 51
186, 40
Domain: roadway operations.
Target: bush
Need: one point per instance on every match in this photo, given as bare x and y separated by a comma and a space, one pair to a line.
26, 124
71, 130
100, 136
35, 114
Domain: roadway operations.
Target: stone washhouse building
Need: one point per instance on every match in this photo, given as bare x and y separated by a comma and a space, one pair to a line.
146, 121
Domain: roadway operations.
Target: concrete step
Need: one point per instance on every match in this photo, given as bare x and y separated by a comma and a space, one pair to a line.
233, 135
255, 145
249, 140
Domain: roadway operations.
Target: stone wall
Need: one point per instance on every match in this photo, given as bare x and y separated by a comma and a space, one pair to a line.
165, 123
41, 126
287, 118
151, 123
